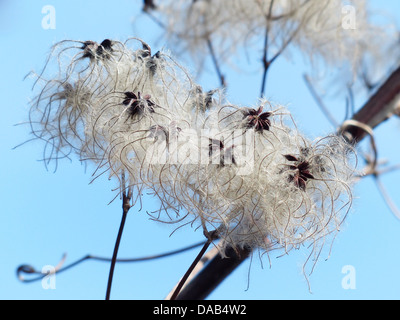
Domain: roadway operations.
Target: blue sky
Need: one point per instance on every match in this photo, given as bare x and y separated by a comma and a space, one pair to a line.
45, 214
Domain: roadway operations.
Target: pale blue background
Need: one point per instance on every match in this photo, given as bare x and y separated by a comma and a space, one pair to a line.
45, 214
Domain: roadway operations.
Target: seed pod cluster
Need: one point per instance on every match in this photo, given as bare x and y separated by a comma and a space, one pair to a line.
246, 171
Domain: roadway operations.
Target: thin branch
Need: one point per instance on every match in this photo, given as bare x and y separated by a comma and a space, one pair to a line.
372, 170
214, 273
389, 169
388, 200
114, 257
126, 205
366, 81
215, 62
350, 101
189, 271
27, 269
211, 236
266, 63
319, 101
209, 255
154, 18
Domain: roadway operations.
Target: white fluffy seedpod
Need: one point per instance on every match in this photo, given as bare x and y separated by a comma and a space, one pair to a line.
263, 184
107, 102
327, 29
246, 172
68, 95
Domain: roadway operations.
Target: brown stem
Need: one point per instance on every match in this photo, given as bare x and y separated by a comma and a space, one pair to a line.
213, 274
379, 108
189, 271
126, 205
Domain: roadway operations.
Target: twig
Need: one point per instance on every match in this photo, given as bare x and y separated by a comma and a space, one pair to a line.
210, 254
319, 101
350, 101
215, 62
27, 269
372, 170
126, 205
189, 271
388, 200
266, 63
213, 274
211, 236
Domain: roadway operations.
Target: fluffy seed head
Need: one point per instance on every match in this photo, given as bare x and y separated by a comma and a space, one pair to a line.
246, 171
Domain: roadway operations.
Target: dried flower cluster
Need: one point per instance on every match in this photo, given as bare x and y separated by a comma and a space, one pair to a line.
246, 172
332, 30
